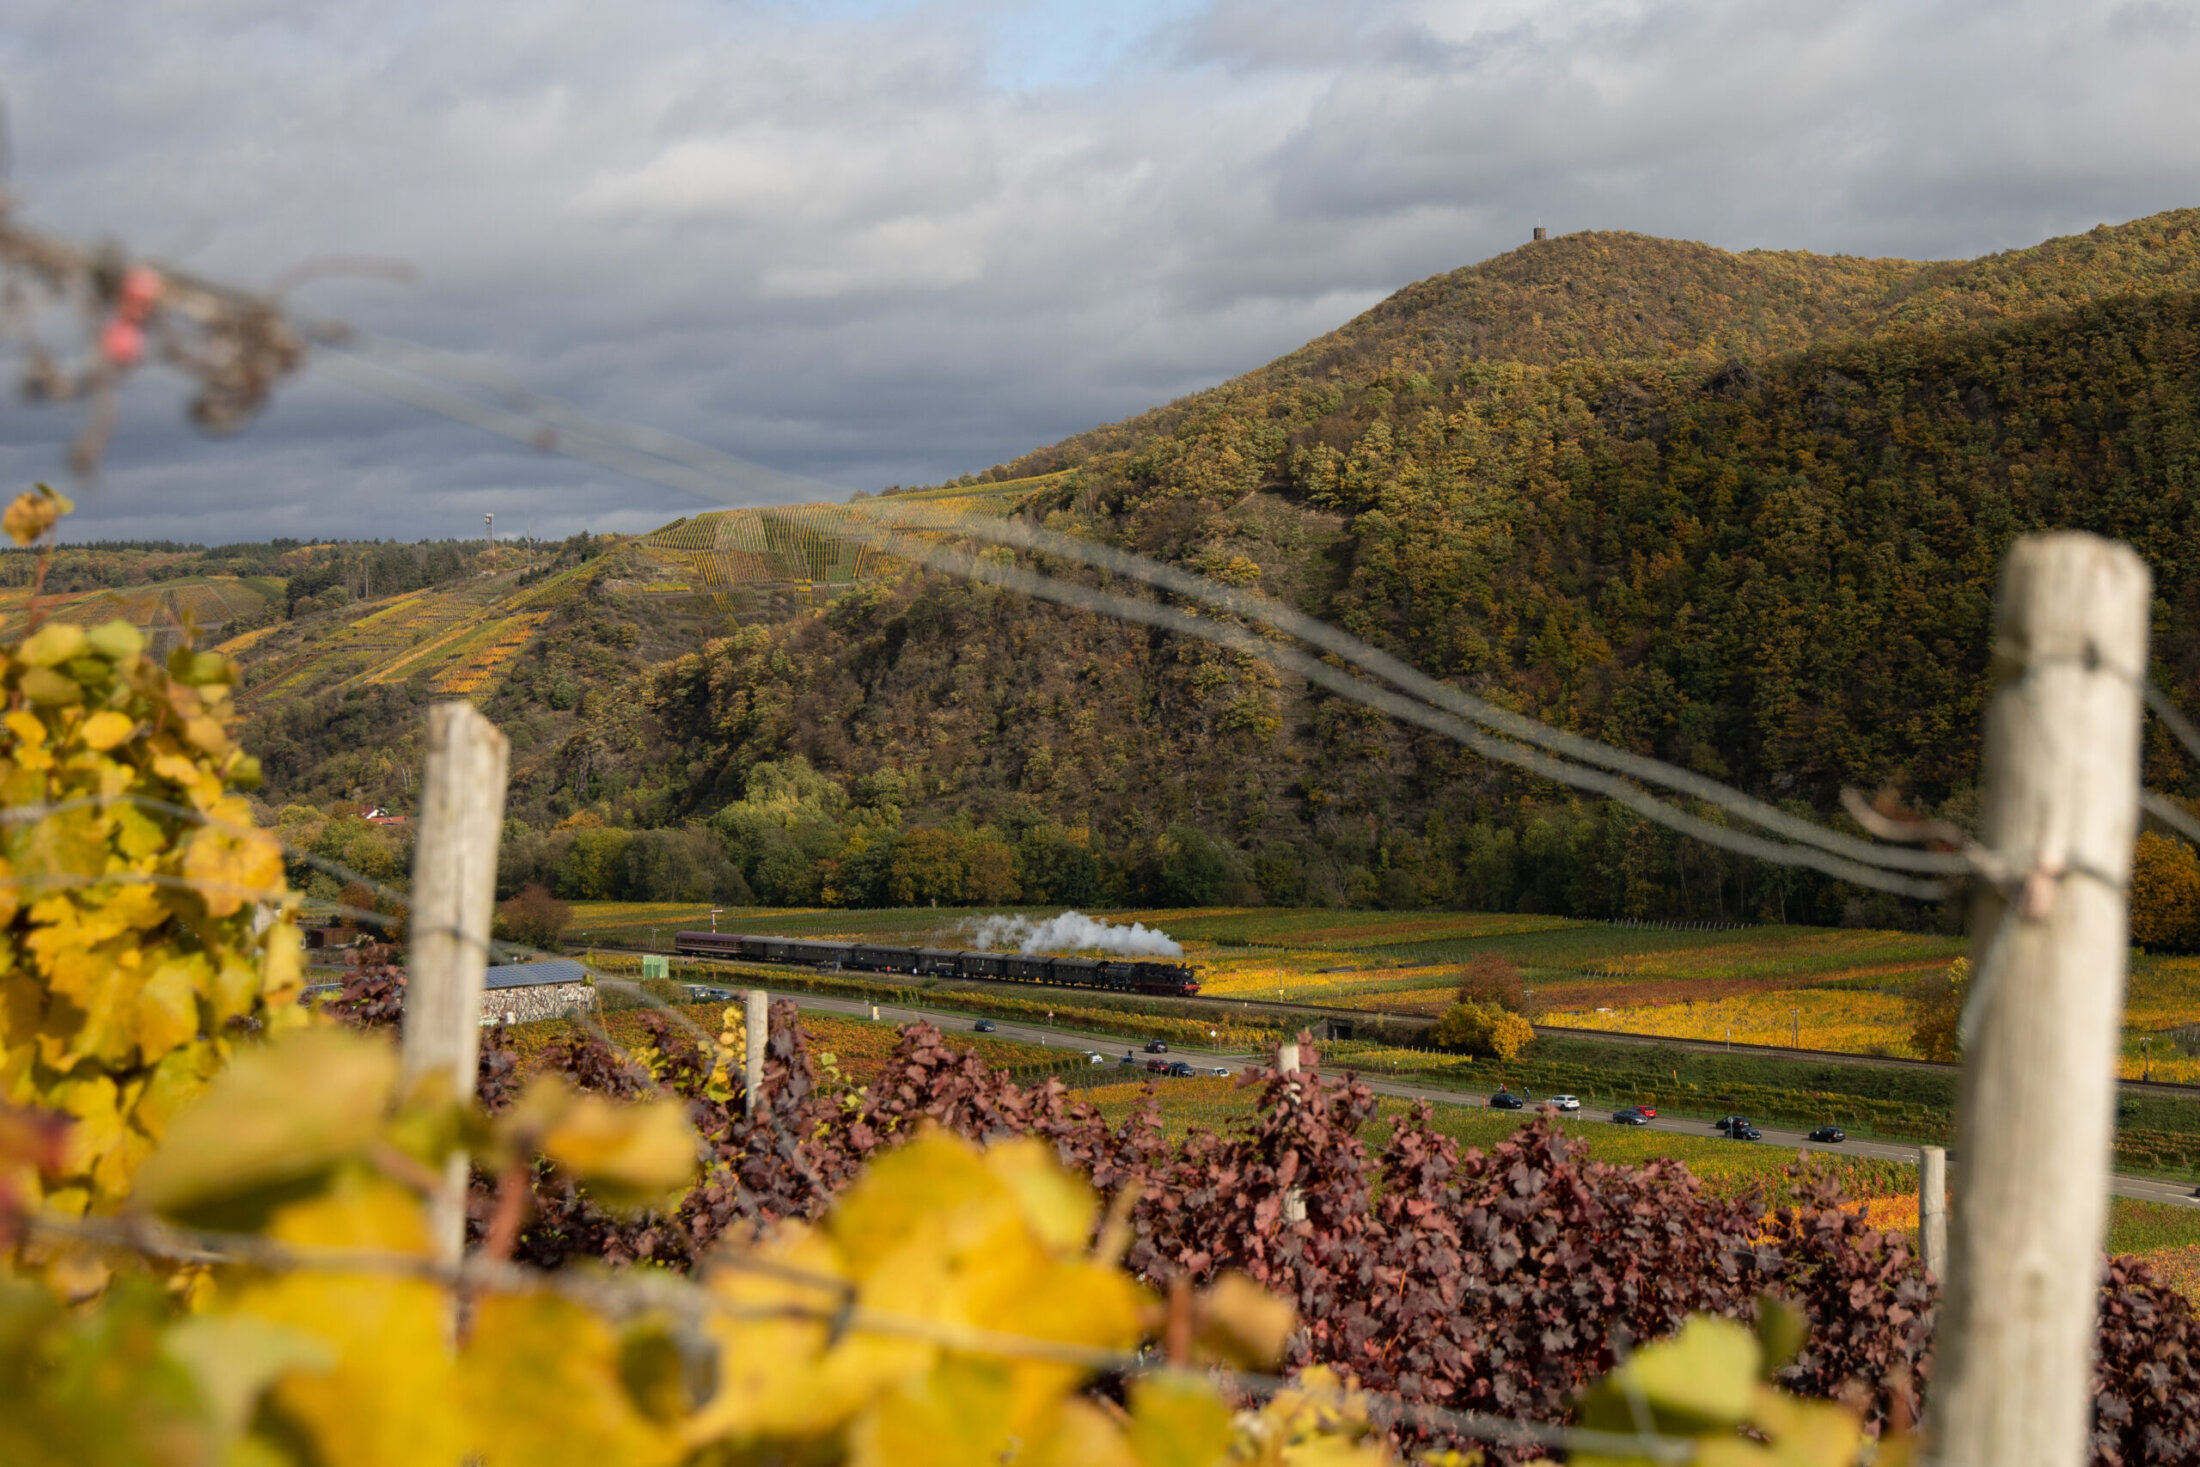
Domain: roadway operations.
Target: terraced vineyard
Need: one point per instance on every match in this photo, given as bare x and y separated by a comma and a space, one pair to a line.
806, 549
163, 610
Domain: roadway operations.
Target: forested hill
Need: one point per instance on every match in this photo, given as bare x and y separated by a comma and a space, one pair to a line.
1743, 511
1617, 296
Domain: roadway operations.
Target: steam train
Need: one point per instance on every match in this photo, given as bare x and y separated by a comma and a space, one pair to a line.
1173, 980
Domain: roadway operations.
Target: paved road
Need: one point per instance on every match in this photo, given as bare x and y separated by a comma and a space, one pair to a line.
1113, 1045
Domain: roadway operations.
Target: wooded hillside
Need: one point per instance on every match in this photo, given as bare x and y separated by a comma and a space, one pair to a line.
1741, 511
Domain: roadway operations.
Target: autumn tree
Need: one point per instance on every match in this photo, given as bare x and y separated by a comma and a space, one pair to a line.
1492, 979
533, 918
2165, 893
1482, 1028
1936, 1012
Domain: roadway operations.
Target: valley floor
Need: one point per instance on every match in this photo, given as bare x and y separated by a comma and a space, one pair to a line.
1809, 988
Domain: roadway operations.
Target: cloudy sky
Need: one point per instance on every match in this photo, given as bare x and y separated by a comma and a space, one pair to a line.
876, 241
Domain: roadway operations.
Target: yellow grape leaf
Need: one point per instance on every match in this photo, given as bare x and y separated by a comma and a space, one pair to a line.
770, 1379
105, 729
33, 512
627, 1155
1057, 1203
230, 871
117, 640
92, 1103
1083, 1435
954, 1415
168, 1006
175, 1082
936, 1186
49, 689
1700, 1380
206, 734
234, 988
1807, 1433
271, 1128
1316, 1421
389, 1398
26, 727
55, 642
1074, 1302
540, 1385
235, 1357
1243, 1324
1177, 1420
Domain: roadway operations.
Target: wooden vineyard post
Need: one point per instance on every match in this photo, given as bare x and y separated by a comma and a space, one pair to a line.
752, 1075
1932, 1208
1294, 1198
2060, 786
447, 942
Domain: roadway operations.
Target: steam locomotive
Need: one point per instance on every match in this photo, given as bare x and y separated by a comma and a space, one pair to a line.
1173, 980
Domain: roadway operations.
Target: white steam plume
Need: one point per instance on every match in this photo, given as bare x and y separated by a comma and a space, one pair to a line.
1072, 932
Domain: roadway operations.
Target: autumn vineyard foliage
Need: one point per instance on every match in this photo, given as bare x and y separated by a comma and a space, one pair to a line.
1498, 1281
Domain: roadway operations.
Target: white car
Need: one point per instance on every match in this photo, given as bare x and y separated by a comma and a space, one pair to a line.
1565, 1102
1095, 1059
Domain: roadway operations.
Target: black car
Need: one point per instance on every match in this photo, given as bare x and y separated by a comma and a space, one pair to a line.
1506, 1100
1629, 1118
1744, 1131
1156, 1046
1178, 1067
1829, 1133
983, 1026
1728, 1123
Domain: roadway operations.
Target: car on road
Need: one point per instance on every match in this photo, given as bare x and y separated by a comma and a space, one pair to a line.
1094, 1057
984, 1026
1180, 1068
1629, 1117
1506, 1100
1649, 1112
1829, 1133
1156, 1046
1744, 1132
1728, 1123
1220, 1072
702, 993
1565, 1102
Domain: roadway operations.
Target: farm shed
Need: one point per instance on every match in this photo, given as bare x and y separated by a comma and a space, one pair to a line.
513, 993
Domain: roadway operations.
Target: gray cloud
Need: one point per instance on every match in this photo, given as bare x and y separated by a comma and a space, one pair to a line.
877, 243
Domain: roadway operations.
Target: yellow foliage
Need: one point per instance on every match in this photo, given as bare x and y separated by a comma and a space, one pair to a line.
33, 513
138, 943
1482, 1028
1936, 1012
2165, 893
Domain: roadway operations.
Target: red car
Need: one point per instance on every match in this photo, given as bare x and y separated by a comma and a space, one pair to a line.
1648, 1110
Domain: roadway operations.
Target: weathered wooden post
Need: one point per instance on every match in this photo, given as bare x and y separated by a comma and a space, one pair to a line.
2060, 783
1932, 1208
1294, 1198
758, 1027
447, 939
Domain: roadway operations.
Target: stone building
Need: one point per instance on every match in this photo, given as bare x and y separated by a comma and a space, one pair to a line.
513, 993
